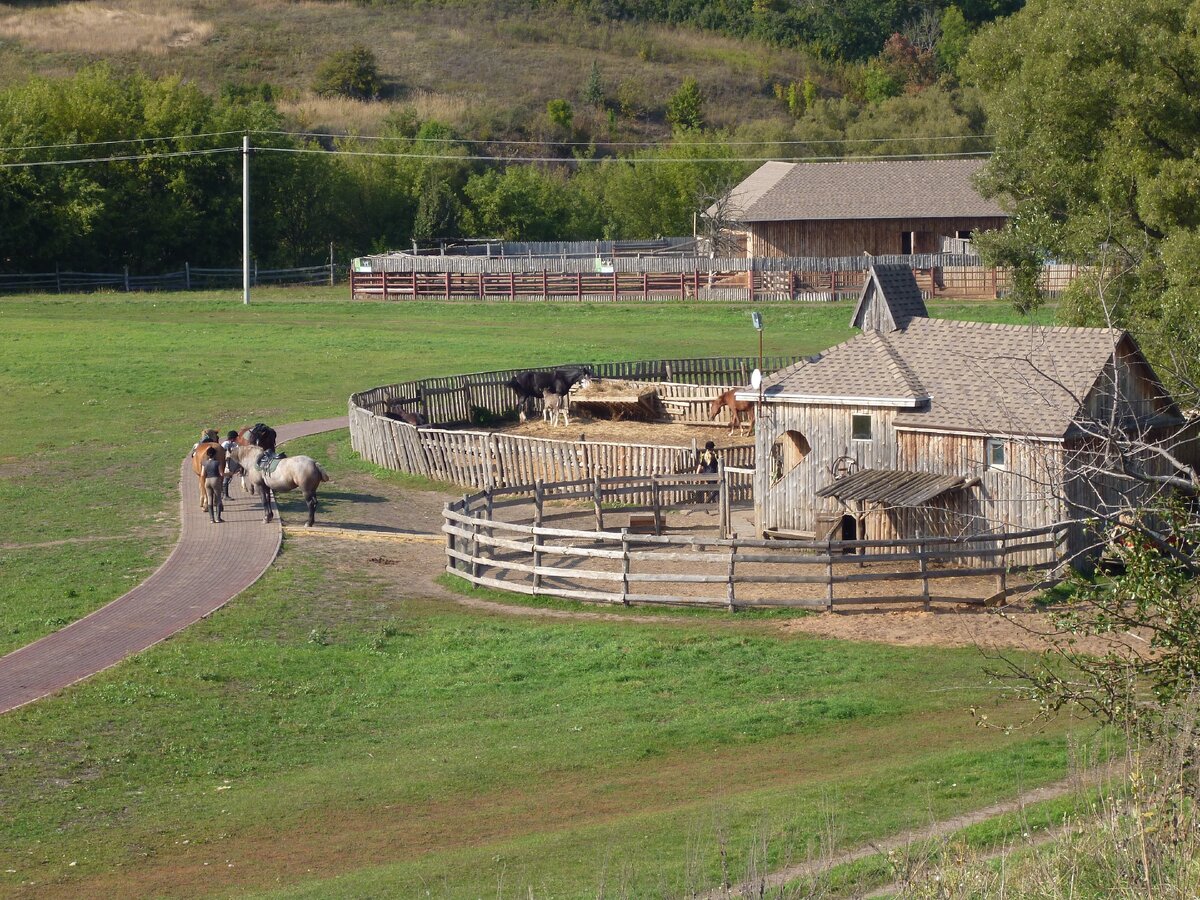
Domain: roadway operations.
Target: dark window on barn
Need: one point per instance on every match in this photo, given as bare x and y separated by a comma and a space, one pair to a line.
860, 428
906, 242
996, 453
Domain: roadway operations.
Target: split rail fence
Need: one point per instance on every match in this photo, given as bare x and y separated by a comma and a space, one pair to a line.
619, 567
188, 278
481, 459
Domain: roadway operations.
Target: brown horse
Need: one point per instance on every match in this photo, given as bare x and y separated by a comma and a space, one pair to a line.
198, 457
736, 409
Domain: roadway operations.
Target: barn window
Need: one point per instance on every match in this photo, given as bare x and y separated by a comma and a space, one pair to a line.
787, 452
995, 453
860, 428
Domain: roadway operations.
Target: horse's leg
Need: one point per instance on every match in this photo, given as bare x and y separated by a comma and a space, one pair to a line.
203, 493
311, 500
266, 501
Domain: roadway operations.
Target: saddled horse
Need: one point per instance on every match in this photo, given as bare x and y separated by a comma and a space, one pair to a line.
737, 408
291, 473
532, 385
198, 457
257, 435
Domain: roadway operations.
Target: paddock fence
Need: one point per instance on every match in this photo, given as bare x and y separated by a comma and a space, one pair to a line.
535, 539
647, 278
63, 281
483, 459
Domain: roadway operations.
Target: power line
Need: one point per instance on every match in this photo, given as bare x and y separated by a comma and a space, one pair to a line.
104, 159
617, 159
148, 140
646, 144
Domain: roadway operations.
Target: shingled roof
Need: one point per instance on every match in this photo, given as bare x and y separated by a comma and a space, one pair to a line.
890, 299
871, 189
959, 376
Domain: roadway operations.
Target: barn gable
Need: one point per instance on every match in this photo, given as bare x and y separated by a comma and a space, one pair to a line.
890, 299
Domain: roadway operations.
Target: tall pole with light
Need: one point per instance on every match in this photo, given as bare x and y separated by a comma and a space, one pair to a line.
756, 377
246, 219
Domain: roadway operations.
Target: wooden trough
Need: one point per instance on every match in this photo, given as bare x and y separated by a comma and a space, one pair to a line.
617, 399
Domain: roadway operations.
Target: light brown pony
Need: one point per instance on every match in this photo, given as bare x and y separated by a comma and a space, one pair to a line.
736, 409
293, 472
198, 458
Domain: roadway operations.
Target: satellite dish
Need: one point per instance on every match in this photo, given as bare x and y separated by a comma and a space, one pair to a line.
756, 379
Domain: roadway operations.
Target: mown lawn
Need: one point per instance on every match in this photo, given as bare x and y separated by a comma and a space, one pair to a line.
322, 726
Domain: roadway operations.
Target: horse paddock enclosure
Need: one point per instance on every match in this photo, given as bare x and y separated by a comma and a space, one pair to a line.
609, 510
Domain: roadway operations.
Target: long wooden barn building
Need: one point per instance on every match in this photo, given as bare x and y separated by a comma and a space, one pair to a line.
879, 207
928, 427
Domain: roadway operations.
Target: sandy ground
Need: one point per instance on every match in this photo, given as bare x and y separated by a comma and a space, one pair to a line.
624, 432
411, 557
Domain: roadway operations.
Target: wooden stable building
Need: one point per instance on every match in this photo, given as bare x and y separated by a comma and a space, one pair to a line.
927, 427
878, 207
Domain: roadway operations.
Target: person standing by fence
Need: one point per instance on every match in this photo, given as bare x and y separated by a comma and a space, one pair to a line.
708, 463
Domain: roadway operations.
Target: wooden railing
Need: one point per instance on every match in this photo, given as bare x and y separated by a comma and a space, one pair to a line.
481, 459
609, 564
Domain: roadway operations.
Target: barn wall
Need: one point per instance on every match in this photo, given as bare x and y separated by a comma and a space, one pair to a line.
791, 502
852, 237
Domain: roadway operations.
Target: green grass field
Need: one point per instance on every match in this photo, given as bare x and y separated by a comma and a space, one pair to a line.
327, 735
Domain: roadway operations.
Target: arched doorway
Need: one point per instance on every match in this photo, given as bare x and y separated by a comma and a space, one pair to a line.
788, 451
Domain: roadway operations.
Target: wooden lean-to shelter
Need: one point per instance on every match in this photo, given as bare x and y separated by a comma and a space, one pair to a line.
930, 427
838, 209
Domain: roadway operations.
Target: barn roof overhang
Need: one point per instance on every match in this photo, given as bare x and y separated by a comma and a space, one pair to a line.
981, 433
893, 487
833, 400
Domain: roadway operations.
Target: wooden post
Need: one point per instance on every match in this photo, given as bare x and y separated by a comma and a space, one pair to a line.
383, 282
579, 286
187, 276
624, 566
645, 285
682, 286
750, 281
829, 575
729, 590
474, 545
539, 496
924, 563
331, 263
791, 285
447, 285
596, 501
512, 286
1002, 575
127, 279
722, 499
449, 539
545, 286
654, 498
479, 284
490, 510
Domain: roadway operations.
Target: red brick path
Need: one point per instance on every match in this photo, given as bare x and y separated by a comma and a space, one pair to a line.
210, 565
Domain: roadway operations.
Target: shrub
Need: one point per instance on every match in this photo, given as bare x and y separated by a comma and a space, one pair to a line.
685, 108
351, 73
560, 114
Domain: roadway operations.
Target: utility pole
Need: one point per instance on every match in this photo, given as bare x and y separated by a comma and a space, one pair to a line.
246, 219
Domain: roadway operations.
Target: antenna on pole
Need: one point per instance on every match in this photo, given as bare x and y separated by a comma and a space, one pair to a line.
246, 219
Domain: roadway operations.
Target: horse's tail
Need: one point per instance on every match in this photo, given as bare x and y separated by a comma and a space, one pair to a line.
324, 475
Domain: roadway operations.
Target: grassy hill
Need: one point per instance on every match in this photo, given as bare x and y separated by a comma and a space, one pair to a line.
484, 67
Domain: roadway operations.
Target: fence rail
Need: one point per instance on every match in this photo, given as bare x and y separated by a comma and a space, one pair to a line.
616, 566
675, 279
190, 277
482, 459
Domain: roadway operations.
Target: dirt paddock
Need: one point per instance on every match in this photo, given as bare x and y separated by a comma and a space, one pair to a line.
621, 431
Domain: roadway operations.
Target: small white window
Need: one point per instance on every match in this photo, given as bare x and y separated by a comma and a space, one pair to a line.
995, 450
860, 428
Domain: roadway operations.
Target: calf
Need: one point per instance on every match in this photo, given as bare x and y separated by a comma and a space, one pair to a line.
553, 406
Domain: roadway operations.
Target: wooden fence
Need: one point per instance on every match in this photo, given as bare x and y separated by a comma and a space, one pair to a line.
483, 459
620, 567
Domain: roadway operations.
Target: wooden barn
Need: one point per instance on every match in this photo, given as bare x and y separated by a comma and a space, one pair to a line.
880, 207
921, 426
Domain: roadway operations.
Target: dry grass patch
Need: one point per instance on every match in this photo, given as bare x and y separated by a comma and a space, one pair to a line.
342, 114
106, 28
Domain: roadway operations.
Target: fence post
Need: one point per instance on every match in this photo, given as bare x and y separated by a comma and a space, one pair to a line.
474, 539
331, 263
654, 501
1002, 575
187, 276
624, 566
449, 537
924, 564
57, 280
539, 494
829, 575
383, 280
729, 595
596, 501
127, 279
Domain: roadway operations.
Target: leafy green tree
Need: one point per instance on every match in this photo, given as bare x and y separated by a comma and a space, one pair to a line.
520, 203
1098, 155
560, 114
685, 109
593, 89
350, 73
956, 36
877, 84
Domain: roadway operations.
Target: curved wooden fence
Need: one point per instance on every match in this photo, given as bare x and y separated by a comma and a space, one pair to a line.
518, 551
483, 459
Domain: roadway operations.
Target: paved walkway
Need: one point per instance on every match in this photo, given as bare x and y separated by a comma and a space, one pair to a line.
210, 565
